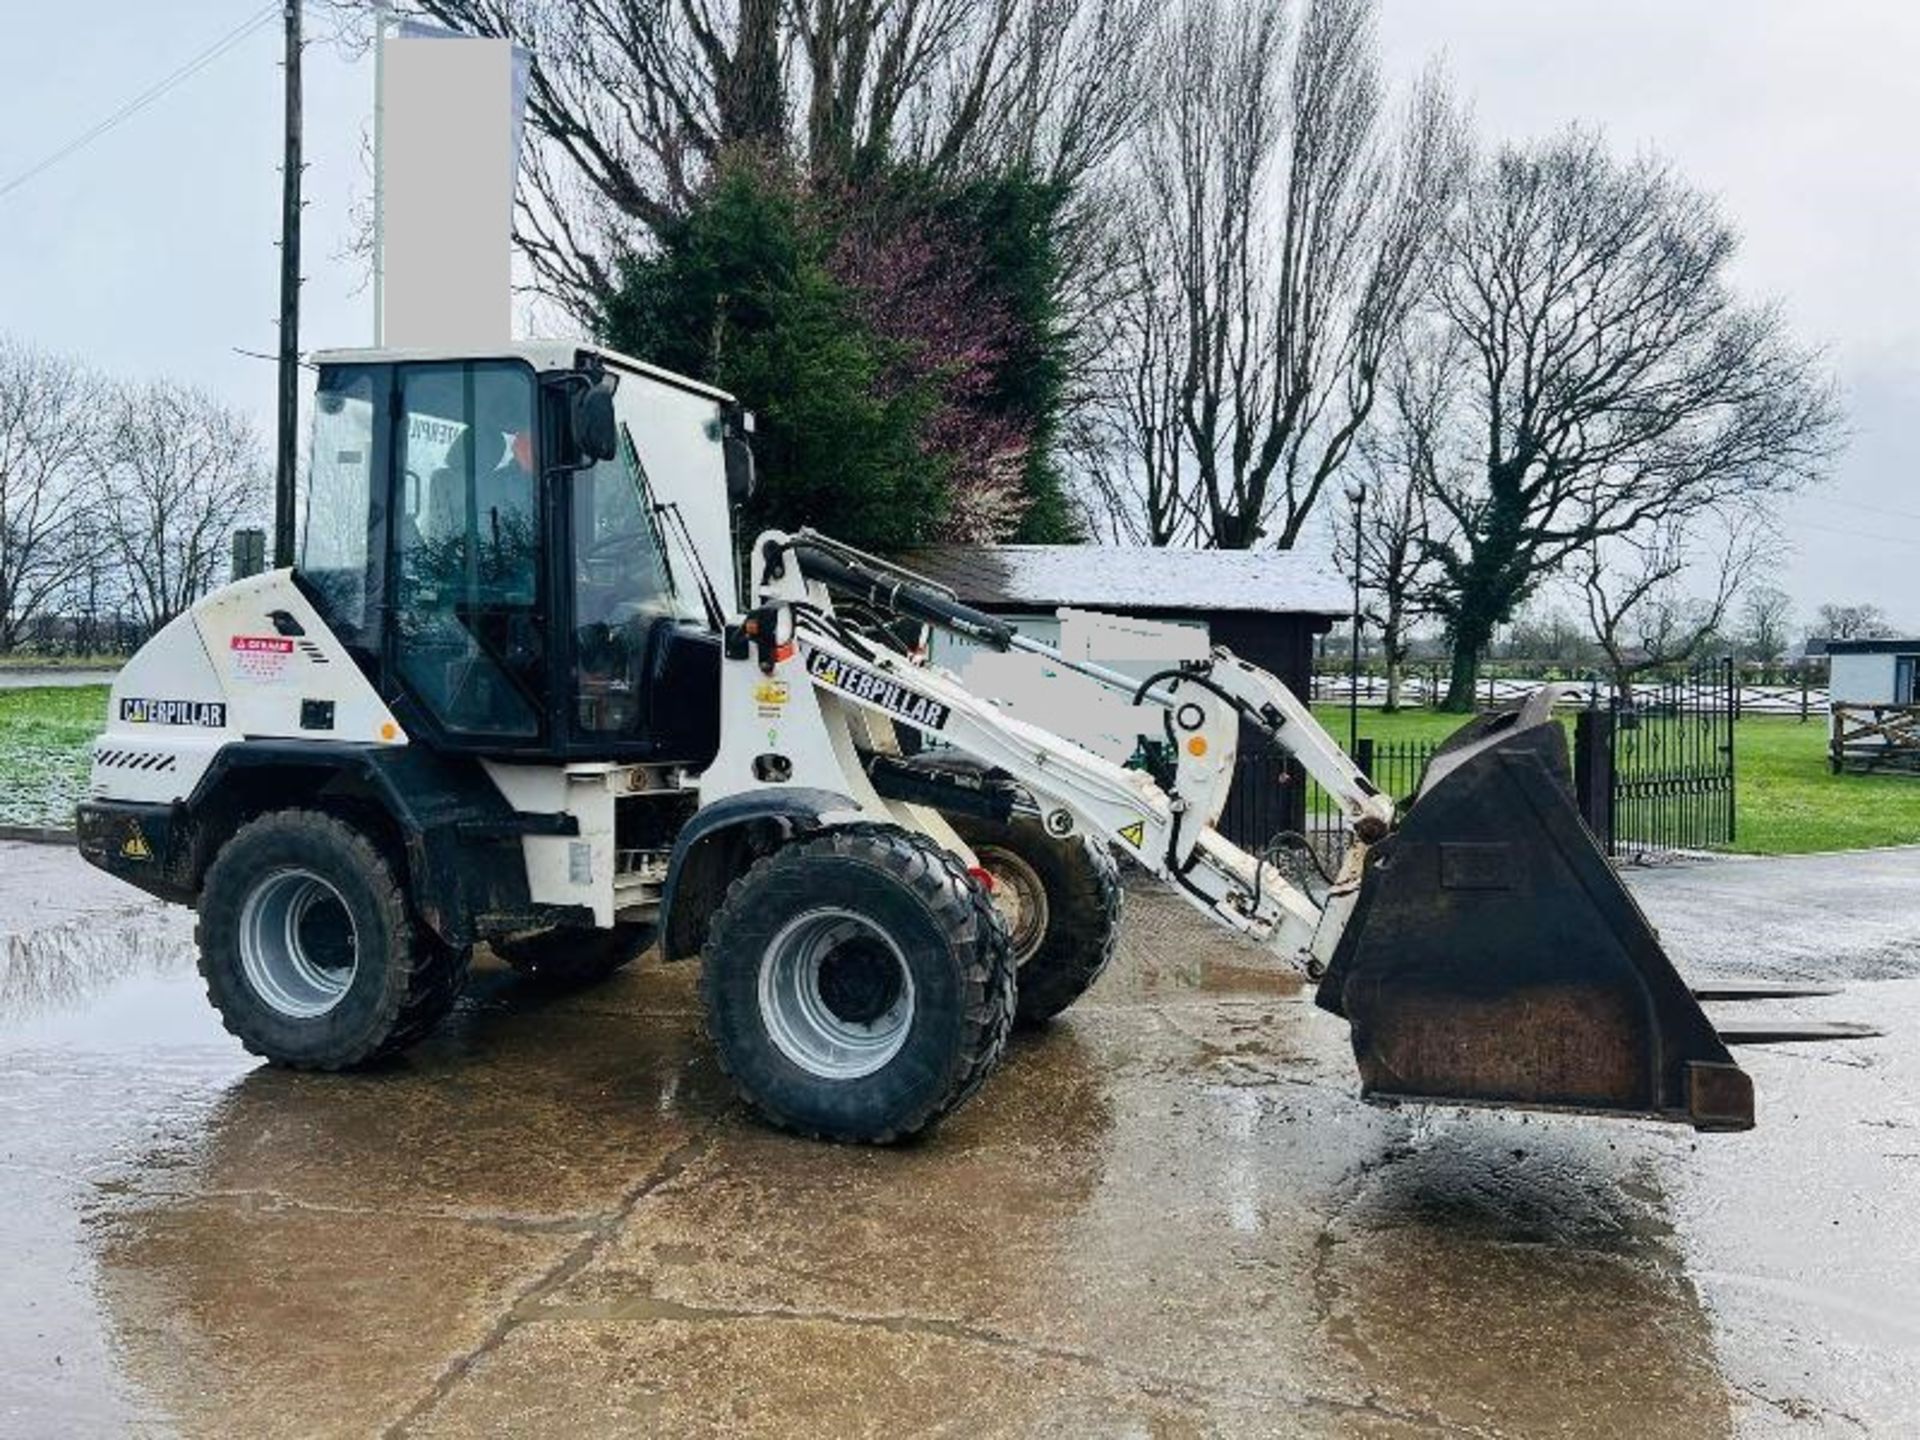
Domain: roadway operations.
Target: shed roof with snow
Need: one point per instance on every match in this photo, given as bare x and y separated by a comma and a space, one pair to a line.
1133, 578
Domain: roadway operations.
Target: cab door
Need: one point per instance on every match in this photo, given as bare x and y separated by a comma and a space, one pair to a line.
468, 639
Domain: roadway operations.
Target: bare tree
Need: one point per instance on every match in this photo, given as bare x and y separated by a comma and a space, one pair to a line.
95, 600
1129, 447
179, 472
1289, 222
1852, 622
1401, 460
1643, 617
48, 408
1620, 388
1766, 626
632, 102
1546, 635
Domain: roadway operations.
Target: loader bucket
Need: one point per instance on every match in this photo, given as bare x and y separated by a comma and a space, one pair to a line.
1494, 958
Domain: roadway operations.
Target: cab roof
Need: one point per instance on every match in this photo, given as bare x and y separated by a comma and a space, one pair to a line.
541, 354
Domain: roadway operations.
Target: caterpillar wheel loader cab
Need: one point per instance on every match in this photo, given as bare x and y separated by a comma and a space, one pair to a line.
515, 692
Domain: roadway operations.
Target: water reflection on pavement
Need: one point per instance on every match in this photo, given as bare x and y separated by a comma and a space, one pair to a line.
1166, 1214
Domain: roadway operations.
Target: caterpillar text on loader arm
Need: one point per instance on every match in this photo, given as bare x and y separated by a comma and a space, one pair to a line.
506, 697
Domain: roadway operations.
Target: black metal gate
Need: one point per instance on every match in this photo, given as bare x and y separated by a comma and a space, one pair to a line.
1670, 756
1652, 775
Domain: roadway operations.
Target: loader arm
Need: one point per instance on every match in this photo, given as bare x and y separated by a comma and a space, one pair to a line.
1481, 948
834, 694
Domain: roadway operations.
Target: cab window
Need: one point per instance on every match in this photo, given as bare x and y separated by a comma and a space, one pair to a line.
467, 634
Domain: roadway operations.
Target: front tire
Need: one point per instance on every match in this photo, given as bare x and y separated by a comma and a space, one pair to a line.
1062, 901
858, 985
309, 950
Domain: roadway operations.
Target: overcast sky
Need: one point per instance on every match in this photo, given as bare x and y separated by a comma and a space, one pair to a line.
151, 251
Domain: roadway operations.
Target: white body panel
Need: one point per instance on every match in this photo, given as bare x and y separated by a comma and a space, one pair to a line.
223, 672
585, 869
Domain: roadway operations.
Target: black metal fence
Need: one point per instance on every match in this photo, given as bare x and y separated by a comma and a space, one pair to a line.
1670, 763
1273, 796
1653, 776
1395, 766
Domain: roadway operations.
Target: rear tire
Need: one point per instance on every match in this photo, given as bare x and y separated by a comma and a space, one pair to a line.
858, 985
1064, 936
571, 957
309, 950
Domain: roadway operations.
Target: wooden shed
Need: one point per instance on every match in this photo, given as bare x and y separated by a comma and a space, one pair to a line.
1268, 607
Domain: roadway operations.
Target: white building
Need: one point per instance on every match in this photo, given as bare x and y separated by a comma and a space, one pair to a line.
1874, 672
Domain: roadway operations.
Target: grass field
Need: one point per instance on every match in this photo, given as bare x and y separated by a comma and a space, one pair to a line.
44, 734
1788, 803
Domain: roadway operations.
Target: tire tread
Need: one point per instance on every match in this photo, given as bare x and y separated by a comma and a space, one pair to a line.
958, 903
417, 996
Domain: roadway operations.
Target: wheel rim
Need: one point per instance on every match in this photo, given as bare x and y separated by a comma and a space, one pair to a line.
299, 947
1020, 895
836, 995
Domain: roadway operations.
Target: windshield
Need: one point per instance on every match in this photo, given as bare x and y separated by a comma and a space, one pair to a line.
676, 434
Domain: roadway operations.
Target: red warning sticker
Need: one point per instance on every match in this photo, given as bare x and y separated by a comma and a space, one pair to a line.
261, 658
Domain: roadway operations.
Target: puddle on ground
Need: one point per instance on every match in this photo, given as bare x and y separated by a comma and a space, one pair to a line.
109, 1056
1167, 1210
80, 983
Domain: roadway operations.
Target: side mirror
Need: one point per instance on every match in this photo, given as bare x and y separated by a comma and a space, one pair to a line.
596, 435
737, 449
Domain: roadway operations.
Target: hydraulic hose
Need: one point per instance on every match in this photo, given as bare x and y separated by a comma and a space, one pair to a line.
900, 597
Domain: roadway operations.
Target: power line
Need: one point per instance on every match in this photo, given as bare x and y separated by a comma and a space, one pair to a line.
146, 97
1871, 509
1852, 534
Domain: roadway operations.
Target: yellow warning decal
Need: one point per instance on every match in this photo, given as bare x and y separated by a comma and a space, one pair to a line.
1134, 834
135, 847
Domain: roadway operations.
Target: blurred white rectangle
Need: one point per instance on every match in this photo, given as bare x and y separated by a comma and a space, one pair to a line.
1046, 693
1128, 643
447, 196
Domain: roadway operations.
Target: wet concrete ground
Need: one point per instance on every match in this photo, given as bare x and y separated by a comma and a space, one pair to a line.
1166, 1215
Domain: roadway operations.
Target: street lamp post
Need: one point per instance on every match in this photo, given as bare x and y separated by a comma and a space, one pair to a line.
1356, 497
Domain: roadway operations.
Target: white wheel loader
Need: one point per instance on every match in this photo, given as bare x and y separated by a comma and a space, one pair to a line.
506, 696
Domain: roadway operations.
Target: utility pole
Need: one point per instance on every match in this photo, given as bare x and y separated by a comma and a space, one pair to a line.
380, 14
289, 409
1357, 497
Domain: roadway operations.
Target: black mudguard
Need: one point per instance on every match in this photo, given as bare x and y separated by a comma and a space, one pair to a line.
1494, 957
717, 846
